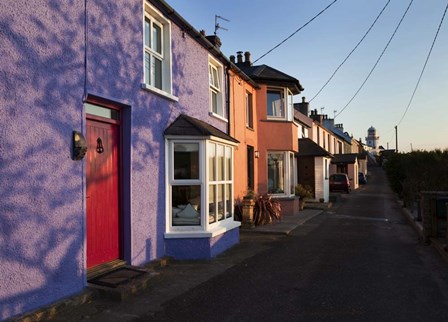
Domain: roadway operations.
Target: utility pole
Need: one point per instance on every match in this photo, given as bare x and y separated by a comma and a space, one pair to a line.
396, 139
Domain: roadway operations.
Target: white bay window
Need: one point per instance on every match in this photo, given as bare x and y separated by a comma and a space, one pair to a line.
280, 104
281, 173
200, 186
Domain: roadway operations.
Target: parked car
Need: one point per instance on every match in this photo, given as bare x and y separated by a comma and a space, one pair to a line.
362, 178
340, 182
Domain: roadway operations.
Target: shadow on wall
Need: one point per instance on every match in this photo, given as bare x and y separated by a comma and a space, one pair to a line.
42, 223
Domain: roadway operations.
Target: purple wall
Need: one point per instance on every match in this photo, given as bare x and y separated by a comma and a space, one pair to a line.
42, 203
42, 77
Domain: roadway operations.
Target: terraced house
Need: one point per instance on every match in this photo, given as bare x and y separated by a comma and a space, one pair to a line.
114, 82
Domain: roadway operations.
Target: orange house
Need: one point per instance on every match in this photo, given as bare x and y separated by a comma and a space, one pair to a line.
243, 127
277, 132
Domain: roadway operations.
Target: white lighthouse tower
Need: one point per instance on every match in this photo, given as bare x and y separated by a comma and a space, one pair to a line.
372, 139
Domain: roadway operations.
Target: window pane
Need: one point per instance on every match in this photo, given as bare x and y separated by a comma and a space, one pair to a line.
291, 174
249, 113
186, 161
157, 38
147, 32
211, 204
211, 162
157, 73
276, 173
215, 78
221, 194
214, 98
186, 205
229, 208
228, 163
147, 68
221, 167
275, 104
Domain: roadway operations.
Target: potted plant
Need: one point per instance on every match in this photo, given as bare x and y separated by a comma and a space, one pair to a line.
303, 191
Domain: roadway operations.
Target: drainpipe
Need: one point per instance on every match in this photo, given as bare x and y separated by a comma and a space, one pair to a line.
228, 98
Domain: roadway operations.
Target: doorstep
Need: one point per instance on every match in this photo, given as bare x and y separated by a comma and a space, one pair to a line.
121, 283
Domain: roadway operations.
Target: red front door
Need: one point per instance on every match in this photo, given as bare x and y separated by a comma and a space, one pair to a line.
103, 202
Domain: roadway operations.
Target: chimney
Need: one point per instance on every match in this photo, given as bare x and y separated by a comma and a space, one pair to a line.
232, 58
302, 107
214, 40
316, 117
247, 61
239, 57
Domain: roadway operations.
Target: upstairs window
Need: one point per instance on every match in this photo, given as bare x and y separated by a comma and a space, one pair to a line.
249, 111
280, 104
215, 76
157, 51
276, 105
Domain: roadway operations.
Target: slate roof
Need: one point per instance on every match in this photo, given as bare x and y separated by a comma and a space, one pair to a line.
189, 126
302, 118
271, 76
345, 158
309, 148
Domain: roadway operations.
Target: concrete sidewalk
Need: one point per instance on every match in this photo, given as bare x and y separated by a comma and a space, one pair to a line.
286, 224
170, 278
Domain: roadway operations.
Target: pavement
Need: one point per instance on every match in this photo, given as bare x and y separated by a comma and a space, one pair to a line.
171, 278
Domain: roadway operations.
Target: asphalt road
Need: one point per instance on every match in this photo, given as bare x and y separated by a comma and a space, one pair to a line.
358, 261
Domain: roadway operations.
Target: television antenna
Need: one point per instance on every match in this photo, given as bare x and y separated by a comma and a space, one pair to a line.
218, 26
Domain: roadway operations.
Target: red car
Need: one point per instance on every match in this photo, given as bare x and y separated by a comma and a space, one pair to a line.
340, 182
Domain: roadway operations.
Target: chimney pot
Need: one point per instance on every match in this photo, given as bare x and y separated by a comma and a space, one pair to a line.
239, 57
303, 99
247, 58
232, 58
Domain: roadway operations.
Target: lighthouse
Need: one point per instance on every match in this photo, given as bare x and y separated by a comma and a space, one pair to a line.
372, 138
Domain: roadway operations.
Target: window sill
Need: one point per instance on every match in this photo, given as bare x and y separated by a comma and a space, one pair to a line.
283, 196
280, 120
211, 232
222, 118
159, 92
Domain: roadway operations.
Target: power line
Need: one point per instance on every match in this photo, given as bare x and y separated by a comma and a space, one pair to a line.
348, 56
424, 66
287, 38
378, 60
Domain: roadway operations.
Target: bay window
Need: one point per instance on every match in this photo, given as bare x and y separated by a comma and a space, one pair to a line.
200, 185
281, 173
280, 104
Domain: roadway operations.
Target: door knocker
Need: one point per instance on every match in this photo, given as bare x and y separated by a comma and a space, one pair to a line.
99, 146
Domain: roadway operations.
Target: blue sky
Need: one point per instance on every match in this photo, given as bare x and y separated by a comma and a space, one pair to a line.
316, 51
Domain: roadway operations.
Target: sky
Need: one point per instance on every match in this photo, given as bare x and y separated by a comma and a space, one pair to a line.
314, 53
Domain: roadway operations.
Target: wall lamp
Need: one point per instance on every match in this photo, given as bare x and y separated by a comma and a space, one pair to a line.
257, 154
79, 145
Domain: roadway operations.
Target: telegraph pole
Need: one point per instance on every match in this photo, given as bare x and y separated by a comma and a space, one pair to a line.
396, 139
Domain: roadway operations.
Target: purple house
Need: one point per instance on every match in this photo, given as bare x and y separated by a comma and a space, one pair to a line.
113, 122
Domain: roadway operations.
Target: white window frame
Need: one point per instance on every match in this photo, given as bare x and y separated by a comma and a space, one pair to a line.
165, 56
289, 179
287, 103
206, 228
249, 110
216, 88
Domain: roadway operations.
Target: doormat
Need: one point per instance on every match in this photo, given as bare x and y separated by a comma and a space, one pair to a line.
117, 277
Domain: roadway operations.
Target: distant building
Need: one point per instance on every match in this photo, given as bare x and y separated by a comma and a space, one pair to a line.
372, 139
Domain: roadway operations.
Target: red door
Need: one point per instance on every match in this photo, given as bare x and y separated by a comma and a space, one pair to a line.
103, 206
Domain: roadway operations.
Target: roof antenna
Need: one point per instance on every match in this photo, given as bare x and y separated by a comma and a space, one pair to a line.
335, 111
217, 26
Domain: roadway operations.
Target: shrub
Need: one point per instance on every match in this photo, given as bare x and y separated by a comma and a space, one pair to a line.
304, 191
266, 209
